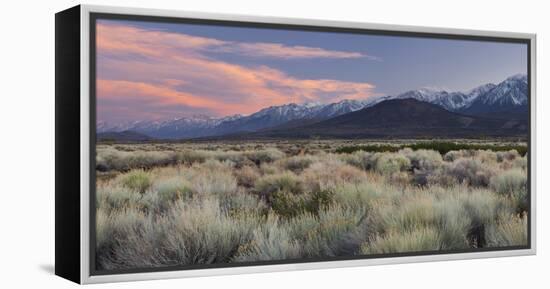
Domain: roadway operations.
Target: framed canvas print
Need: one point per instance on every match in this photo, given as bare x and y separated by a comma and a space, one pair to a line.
192, 144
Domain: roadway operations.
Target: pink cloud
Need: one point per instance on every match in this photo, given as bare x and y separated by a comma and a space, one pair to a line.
176, 71
157, 42
277, 50
145, 92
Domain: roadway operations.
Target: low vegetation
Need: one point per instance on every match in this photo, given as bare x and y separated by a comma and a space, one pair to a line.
186, 204
441, 147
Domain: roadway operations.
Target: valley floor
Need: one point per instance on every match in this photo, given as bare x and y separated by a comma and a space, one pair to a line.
165, 204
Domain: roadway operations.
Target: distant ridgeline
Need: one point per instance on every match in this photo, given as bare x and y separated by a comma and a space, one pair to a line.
489, 110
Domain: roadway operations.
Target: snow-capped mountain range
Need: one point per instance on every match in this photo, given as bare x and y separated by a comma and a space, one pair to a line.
508, 94
507, 97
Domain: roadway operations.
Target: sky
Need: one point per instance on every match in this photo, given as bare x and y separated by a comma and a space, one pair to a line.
158, 71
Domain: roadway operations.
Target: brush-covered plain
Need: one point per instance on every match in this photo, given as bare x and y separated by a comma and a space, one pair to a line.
166, 204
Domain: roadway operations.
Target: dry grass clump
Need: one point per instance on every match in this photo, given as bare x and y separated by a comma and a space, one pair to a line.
472, 171
203, 233
113, 159
271, 241
247, 176
212, 177
454, 155
264, 156
340, 231
417, 239
115, 197
172, 188
137, 180
198, 232
511, 230
507, 155
284, 182
512, 184
296, 164
330, 174
185, 204
360, 159
424, 160
391, 163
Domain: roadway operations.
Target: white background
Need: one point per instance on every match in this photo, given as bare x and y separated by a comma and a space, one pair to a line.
27, 146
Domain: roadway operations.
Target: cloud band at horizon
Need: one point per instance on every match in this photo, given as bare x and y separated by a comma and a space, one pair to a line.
155, 71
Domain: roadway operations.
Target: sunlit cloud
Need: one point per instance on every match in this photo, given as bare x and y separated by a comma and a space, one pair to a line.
168, 68
154, 43
277, 50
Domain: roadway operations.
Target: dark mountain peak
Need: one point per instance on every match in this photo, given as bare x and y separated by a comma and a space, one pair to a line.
401, 108
400, 118
410, 102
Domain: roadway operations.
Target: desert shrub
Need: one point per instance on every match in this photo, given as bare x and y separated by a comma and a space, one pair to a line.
127, 240
482, 207
287, 182
388, 164
427, 166
286, 204
507, 155
211, 177
442, 147
520, 163
247, 176
445, 147
234, 158
192, 233
319, 200
270, 169
422, 177
334, 232
365, 196
171, 189
113, 159
471, 171
205, 234
237, 158
509, 182
359, 159
368, 148
330, 173
240, 203
104, 229
438, 177
405, 215
401, 179
453, 223
510, 230
337, 227
454, 155
192, 156
425, 160
486, 156
265, 156
137, 180
271, 241
512, 184
296, 164
417, 239
113, 197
